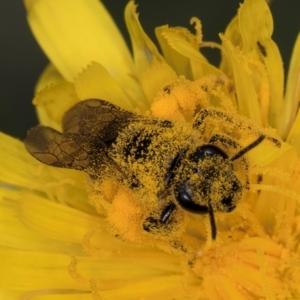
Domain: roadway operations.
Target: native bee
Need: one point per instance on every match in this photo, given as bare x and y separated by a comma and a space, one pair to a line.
170, 159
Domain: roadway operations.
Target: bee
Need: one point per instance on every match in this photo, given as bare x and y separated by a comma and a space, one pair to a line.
171, 159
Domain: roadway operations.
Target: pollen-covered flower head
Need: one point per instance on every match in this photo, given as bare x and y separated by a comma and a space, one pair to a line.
163, 176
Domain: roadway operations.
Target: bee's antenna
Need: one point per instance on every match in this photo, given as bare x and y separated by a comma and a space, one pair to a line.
212, 222
248, 148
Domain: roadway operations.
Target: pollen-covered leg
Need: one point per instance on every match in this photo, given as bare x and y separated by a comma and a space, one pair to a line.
153, 224
231, 122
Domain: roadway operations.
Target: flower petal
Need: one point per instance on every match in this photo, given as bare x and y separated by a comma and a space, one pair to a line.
14, 234
256, 26
10, 295
75, 32
181, 51
144, 50
95, 82
17, 166
154, 73
50, 76
139, 266
20, 171
70, 224
245, 90
52, 103
158, 288
267, 153
24, 270
57, 294
233, 34
156, 78
292, 98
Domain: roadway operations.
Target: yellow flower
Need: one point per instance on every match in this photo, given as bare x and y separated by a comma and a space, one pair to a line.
67, 236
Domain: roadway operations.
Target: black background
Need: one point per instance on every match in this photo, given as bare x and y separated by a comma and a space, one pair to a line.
22, 60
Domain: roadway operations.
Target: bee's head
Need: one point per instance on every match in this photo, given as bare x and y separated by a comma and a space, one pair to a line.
207, 181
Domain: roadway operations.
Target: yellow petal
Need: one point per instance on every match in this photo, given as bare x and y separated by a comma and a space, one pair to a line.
20, 170
16, 163
245, 90
75, 32
156, 78
294, 136
144, 50
232, 32
139, 267
58, 295
25, 270
154, 73
52, 103
292, 98
50, 76
267, 153
94, 82
10, 295
181, 52
256, 26
14, 234
158, 288
135, 275
70, 224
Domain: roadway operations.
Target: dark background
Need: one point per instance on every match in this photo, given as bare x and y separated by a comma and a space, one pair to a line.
22, 60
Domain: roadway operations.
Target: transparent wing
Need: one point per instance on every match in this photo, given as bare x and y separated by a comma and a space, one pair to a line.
96, 118
89, 128
56, 149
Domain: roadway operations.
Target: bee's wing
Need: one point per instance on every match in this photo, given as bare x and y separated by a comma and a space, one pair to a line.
96, 118
89, 127
56, 149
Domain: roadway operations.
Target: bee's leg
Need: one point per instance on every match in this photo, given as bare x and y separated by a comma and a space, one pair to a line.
204, 113
234, 121
225, 141
173, 166
154, 224
167, 213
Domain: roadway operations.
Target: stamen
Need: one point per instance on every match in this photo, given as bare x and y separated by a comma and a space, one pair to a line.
94, 289
198, 27
275, 189
72, 268
211, 45
90, 249
250, 220
273, 172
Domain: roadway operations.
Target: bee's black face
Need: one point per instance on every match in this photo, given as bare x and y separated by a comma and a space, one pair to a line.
210, 182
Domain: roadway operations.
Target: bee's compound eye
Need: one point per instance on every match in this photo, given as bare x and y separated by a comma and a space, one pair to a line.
207, 151
184, 199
